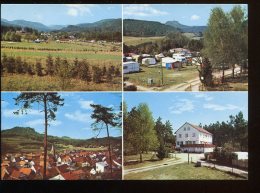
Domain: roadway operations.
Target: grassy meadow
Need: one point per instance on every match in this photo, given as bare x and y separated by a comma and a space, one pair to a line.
182, 172
170, 77
133, 41
96, 54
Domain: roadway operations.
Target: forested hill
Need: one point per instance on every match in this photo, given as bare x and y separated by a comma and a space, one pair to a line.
109, 25
186, 28
23, 137
143, 28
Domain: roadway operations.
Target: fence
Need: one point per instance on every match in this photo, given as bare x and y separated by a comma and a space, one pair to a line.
240, 163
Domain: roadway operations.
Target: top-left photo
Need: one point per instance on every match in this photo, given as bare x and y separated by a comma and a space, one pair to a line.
61, 47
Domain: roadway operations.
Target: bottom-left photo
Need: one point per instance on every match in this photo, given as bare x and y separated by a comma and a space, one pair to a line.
61, 135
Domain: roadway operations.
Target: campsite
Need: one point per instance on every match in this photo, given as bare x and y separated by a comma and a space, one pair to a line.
166, 51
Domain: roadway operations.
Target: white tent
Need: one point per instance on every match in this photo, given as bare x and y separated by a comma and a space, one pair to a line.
167, 60
149, 61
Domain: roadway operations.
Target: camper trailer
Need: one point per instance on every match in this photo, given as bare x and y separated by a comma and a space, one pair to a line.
149, 61
170, 63
179, 57
131, 67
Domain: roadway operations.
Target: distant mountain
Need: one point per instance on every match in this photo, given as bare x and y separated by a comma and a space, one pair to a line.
144, 28
112, 25
14, 139
186, 28
23, 23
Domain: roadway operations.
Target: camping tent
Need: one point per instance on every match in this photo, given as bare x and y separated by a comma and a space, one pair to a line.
149, 61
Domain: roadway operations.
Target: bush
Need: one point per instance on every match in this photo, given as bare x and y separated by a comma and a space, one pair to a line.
162, 153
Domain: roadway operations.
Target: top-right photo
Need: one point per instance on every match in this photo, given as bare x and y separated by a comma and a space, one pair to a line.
185, 47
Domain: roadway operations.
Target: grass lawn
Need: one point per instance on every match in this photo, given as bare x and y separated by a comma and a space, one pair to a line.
170, 77
182, 172
148, 160
133, 41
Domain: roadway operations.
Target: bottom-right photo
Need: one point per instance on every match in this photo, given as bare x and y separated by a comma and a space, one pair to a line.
185, 136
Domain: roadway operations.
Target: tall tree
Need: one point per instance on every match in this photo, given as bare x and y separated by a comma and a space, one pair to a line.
217, 40
104, 115
141, 133
50, 101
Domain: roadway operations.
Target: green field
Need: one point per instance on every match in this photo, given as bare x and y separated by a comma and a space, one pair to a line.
96, 53
170, 77
105, 54
182, 172
133, 41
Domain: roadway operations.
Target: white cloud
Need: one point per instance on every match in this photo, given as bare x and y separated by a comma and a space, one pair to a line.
10, 113
36, 122
204, 96
79, 116
217, 107
183, 105
194, 17
79, 9
86, 104
142, 10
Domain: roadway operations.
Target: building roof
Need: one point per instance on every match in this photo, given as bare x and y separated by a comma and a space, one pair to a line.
197, 128
26, 171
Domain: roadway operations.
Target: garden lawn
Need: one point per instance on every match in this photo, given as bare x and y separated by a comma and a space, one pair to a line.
182, 172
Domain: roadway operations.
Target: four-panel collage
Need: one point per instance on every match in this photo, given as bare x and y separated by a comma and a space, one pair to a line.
124, 92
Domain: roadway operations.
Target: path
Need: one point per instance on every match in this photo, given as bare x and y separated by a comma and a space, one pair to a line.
183, 157
226, 169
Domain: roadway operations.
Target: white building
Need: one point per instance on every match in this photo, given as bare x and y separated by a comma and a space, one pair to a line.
193, 138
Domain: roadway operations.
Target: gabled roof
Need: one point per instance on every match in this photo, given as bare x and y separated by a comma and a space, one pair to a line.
197, 128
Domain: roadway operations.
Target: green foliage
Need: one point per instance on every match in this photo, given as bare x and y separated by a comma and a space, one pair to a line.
225, 40
139, 132
143, 28
64, 74
205, 71
39, 68
232, 134
49, 66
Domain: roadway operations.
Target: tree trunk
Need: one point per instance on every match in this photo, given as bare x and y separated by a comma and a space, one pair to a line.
45, 136
233, 71
109, 150
141, 158
223, 75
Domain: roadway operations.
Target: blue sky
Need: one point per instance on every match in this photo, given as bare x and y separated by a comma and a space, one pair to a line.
73, 119
61, 14
192, 107
187, 14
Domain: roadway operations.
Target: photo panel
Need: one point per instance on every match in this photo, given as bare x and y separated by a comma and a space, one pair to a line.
185, 47
61, 47
185, 136
61, 136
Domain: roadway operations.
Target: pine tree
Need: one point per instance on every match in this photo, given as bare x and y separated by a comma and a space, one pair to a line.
49, 65
84, 72
19, 65
39, 68
10, 64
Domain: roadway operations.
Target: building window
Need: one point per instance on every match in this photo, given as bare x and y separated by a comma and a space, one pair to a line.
184, 128
181, 142
193, 142
188, 128
179, 135
178, 143
186, 135
193, 134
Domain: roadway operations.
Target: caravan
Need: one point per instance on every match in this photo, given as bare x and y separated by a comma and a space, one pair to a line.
131, 67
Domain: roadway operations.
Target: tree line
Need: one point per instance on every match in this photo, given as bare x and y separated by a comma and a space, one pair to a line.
231, 135
60, 67
143, 134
